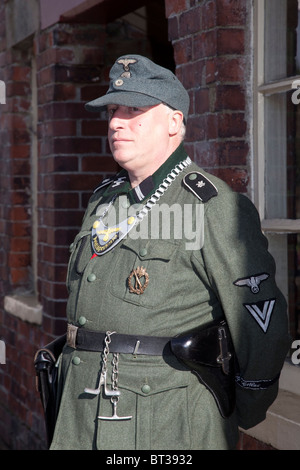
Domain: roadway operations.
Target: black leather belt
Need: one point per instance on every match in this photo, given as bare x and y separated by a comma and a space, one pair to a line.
86, 340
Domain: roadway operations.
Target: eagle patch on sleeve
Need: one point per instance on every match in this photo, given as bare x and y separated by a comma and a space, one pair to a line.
252, 281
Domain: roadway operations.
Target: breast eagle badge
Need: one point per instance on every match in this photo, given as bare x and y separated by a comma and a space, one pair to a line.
253, 282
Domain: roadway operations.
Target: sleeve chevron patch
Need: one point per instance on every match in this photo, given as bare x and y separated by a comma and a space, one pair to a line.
262, 312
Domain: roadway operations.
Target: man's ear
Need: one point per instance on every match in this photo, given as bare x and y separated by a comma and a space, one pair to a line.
175, 121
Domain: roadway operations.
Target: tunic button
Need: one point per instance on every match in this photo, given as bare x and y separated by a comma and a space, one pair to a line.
76, 360
91, 277
146, 388
82, 321
143, 252
192, 176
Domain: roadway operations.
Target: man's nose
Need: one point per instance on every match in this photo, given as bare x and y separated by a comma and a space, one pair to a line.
118, 117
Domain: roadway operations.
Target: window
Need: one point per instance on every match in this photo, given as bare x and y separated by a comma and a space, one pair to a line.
276, 174
277, 141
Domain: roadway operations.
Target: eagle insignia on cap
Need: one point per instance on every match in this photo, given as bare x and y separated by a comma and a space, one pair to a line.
126, 66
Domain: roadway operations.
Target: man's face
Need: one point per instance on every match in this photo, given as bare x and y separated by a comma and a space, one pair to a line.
139, 137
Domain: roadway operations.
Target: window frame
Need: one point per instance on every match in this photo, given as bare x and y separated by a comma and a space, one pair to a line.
263, 89
279, 427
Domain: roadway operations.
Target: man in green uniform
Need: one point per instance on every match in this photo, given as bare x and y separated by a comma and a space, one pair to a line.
177, 331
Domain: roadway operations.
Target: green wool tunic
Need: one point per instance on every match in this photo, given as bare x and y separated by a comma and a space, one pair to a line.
205, 257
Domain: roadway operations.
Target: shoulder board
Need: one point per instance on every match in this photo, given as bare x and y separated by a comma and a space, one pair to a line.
104, 183
199, 185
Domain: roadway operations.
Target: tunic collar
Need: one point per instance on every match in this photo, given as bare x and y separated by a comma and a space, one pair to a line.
121, 183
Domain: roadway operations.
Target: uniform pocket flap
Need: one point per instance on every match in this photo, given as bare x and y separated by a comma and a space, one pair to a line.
153, 381
147, 250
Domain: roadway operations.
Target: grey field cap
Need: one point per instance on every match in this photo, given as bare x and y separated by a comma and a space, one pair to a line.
137, 81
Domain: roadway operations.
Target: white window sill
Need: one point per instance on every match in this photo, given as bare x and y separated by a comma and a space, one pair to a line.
281, 428
25, 307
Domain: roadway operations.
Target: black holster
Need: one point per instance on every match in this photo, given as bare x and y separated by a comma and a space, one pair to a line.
46, 384
209, 353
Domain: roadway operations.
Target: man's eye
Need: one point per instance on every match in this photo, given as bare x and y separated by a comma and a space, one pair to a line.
110, 112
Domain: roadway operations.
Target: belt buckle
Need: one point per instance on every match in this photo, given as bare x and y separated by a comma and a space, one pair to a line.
71, 335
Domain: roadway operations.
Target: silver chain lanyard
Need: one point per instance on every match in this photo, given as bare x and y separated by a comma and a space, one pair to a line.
114, 393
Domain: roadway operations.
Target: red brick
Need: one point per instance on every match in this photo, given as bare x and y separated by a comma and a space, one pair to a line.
205, 45
173, 28
78, 35
232, 125
44, 41
58, 128
174, 7
18, 229
211, 72
212, 126
192, 73
209, 15
231, 13
21, 73
19, 277
230, 41
20, 166
20, 182
232, 152
89, 55
70, 182
57, 92
20, 136
196, 128
231, 69
96, 163
205, 154
91, 92
18, 260
190, 22
76, 145
94, 127
247, 442
58, 236
20, 104
236, 178
77, 73
21, 197
230, 97
53, 56
62, 164
183, 51
45, 76
62, 110
220, 154
19, 213
202, 103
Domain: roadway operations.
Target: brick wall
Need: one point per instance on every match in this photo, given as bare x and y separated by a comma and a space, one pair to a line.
212, 50
72, 159
17, 404
71, 152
